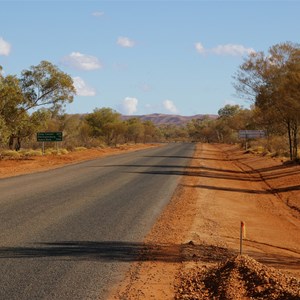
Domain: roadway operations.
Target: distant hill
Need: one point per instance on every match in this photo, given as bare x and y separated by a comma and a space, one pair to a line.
162, 119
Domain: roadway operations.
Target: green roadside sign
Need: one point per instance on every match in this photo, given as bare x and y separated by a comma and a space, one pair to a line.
49, 136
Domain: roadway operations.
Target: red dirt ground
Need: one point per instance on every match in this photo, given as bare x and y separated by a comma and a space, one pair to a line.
200, 229
198, 232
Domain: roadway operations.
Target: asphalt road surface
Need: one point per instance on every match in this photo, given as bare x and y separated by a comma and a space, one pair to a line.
71, 233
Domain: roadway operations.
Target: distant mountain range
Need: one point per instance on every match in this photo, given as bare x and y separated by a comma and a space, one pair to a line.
162, 119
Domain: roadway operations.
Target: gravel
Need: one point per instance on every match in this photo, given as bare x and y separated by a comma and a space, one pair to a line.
240, 277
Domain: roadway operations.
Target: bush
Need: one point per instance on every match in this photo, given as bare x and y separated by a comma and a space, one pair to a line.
278, 145
80, 149
30, 153
63, 151
10, 154
274, 146
51, 151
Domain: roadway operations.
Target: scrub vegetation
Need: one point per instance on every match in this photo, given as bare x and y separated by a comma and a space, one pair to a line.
35, 102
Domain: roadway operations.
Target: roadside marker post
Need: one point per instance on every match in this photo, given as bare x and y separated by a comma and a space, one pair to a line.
242, 236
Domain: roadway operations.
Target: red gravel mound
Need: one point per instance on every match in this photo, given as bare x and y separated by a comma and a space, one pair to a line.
238, 278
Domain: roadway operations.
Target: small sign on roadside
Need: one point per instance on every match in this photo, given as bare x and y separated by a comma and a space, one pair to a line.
49, 136
251, 134
43, 137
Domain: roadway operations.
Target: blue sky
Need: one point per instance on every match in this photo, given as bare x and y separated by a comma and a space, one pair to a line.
141, 57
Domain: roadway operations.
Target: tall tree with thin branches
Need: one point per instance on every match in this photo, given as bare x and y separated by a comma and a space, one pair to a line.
272, 82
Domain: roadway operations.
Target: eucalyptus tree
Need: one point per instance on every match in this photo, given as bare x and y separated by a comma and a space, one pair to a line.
272, 82
41, 86
46, 85
104, 124
134, 130
11, 114
203, 130
150, 132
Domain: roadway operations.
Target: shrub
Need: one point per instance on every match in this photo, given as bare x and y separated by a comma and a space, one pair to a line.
274, 146
63, 151
10, 154
80, 148
51, 151
31, 152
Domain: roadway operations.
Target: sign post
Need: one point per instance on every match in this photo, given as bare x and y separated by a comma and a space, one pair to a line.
251, 134
49, 137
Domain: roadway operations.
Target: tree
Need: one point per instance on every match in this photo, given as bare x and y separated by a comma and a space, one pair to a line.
4, 133
43, 85
149, 131
134, 130
202, 130
12, 115
72, 128
233, 118
229, 111
119, 129
103, 123
28, 126
172, 133
272, 82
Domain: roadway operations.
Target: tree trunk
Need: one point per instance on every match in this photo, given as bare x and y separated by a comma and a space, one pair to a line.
18, 144
14, 142
11, 142
295, 141
290, 139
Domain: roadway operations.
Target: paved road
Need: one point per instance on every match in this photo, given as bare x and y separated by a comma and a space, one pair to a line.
72, 232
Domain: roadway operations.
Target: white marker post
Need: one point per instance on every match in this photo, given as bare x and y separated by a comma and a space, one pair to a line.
242, 235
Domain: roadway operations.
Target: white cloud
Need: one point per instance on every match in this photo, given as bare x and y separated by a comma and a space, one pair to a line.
82, 89
228, 49
97, 14
170, 106
125, 42
232, 49
81, 61
129, 105
5, 47
200, 49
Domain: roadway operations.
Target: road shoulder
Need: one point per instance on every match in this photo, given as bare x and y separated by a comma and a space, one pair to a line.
200, 227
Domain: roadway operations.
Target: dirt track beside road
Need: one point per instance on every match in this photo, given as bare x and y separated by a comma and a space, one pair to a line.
221, 187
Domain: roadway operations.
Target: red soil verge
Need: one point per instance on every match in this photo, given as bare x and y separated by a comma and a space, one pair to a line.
199, 231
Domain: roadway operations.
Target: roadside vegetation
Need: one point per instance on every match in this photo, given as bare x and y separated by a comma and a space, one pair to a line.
35, 102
